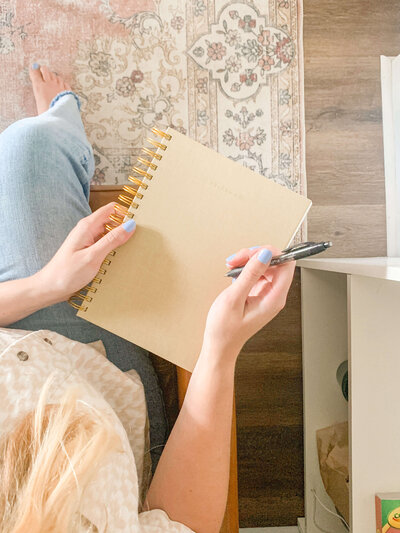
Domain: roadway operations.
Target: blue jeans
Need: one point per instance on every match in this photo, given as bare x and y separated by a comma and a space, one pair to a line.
46, 164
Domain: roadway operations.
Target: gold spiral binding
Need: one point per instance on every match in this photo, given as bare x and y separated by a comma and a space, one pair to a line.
128, 201
89, 288
161, 133
123, 210
149, 152
143, 172
76, 305
116, 218
120, 211
156, 143
138, 182
147, 163
133, 192
79, 296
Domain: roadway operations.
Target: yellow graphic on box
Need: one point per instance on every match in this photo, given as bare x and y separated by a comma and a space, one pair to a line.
394, 518
393, 521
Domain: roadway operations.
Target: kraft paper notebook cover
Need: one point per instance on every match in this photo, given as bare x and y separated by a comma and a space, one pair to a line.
197, 209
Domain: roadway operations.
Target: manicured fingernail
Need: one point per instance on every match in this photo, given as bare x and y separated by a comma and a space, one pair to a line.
129, 225
264, 256
35, 66
254, 247
229, 258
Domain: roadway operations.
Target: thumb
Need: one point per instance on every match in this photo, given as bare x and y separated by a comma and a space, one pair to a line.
114, 238
252, 272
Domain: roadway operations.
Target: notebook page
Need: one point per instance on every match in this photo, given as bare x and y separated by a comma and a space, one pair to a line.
198, 209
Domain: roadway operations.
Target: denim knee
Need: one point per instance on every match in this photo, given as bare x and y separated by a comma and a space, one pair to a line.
34, 137
27, 137
20, 131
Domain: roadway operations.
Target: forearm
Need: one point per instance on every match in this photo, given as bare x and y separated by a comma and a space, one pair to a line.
191, 480
22, 297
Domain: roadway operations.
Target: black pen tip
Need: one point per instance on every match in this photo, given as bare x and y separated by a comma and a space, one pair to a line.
328, 244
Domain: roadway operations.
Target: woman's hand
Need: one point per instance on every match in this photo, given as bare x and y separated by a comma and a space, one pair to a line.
80, 256
256, 297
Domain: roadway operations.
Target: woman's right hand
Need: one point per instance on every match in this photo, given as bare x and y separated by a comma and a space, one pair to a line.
254, 299
80, 256
74, 265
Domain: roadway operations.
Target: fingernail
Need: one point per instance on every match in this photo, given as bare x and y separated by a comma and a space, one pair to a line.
129, 225
254, 247
264, 256
229, 258
35, 66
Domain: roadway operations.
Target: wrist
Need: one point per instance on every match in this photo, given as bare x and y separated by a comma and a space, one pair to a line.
46, 292
216, 355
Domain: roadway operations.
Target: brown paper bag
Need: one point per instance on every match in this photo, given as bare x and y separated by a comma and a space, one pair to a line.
333, 455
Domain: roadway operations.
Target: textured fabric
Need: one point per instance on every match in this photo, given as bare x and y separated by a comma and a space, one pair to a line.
46, 163
229, 74
112, 497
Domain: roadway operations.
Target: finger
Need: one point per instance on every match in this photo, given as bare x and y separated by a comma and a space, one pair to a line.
89, 228
274, 294
113, 239
252, 272
242, 256
282, 279
270, 297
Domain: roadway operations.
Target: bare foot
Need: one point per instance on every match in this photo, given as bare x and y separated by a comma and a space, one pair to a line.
46, 85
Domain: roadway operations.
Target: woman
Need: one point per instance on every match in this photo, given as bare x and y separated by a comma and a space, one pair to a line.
73, 449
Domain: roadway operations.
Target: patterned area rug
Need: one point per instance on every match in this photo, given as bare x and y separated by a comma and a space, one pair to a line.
228, 74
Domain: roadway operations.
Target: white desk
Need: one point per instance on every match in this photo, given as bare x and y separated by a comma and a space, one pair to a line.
351, 309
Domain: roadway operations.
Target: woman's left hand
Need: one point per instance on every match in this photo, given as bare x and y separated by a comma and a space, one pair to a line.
80, 256
243, 308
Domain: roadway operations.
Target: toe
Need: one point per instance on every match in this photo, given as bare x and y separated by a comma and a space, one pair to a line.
35, 74
63, 84
47, 75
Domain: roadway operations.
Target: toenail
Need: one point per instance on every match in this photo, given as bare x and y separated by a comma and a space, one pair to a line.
35, 66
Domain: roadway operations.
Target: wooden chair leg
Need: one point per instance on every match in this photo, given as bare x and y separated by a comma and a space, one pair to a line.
231, 518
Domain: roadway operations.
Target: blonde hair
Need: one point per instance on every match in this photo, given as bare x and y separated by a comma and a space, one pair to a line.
46, 463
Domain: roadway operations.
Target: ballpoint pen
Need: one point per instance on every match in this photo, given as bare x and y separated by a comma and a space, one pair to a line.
299, 251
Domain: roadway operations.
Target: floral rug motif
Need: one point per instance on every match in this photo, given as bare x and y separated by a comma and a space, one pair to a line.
228, 74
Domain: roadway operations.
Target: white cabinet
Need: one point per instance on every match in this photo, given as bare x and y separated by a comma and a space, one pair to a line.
351, 309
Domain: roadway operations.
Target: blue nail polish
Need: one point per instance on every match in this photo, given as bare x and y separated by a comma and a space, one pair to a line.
35, 66
229, 258
254, 247
264, 256
129, 225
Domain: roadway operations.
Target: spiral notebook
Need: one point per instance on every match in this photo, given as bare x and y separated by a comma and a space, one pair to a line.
193, 208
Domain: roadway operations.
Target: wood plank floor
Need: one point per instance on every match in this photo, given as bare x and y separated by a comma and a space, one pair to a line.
343, 40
